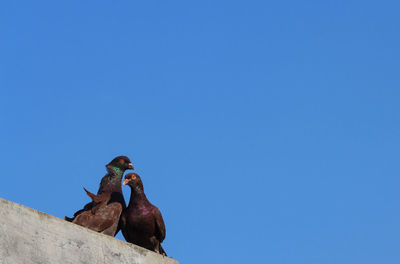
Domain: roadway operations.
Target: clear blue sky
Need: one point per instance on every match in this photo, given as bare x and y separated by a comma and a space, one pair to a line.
265, 131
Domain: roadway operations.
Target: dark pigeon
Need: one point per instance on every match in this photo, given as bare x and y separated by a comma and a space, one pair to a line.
103, 213
141, 222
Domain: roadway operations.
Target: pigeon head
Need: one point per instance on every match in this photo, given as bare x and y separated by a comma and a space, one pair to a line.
121, 162
134, 181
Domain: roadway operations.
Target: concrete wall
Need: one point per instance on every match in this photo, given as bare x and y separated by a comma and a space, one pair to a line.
28, 236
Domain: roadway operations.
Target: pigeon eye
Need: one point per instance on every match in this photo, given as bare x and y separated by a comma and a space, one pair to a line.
121, 161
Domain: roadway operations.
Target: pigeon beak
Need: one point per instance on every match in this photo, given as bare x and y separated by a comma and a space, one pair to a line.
126, 181
130, 166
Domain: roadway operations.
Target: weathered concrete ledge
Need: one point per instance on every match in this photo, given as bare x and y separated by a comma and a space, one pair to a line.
28, 236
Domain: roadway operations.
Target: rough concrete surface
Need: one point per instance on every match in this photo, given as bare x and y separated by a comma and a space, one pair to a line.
28, 236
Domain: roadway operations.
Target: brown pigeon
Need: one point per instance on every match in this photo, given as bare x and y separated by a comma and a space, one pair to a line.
141, 222
103, 213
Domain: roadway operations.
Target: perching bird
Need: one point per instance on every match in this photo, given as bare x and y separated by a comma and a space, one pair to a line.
141, 222
103, 213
